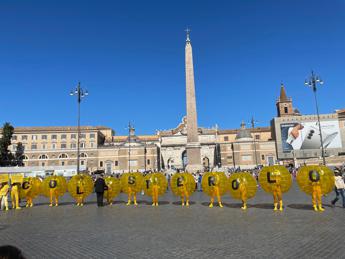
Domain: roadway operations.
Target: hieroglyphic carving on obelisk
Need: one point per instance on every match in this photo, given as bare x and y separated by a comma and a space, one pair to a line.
193, 144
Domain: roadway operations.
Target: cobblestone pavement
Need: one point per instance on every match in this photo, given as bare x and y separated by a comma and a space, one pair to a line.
171, 231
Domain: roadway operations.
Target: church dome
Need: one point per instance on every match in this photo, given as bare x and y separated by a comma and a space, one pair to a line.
243, 133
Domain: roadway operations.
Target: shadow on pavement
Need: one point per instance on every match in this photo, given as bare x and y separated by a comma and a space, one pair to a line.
301, 206
266, 206
234, 205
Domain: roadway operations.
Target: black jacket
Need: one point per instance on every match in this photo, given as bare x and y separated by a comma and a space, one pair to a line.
100, 185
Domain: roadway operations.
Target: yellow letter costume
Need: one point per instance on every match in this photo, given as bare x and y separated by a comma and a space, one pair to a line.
16, 181
80, 186
243, 186
114, 188
183, 185
155, 185
30, 189
131, 183
275, 180
316, 181
214, 184
53, 187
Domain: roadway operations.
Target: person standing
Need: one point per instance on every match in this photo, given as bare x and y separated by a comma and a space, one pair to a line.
100, 186
339, 188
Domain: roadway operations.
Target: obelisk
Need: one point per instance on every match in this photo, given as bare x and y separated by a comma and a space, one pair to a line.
193, 144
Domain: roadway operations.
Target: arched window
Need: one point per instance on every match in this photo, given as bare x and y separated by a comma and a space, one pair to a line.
43, 156
83, 155
63, 156
24, 157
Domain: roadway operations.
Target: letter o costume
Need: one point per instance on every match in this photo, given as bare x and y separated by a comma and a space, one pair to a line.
54, 187
243, 186
316, 181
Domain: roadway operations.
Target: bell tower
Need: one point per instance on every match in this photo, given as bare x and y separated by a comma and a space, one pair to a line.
284, 104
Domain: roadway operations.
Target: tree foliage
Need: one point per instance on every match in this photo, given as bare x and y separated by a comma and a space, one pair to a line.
6, 156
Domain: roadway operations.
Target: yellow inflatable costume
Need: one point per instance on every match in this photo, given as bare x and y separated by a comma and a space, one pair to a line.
183, 185
131, 183
214, 184
80, 186
4, 189
243, 186
316, 181
275, 180
16, 182
154, 185
30, 189
53, 187
114, 188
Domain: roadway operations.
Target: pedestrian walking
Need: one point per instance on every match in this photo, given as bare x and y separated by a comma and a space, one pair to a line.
100, 186
339, 188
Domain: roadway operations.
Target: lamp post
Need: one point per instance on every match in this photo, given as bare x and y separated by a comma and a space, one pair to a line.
253, 122
313, 81
129, 146
80, 93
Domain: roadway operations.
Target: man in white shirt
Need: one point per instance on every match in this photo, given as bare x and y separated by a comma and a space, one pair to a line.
339, 188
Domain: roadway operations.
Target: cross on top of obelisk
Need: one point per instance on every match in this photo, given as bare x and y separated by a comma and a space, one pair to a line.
187, 32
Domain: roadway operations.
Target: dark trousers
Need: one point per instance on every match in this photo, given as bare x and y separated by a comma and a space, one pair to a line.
100, 199
339, 192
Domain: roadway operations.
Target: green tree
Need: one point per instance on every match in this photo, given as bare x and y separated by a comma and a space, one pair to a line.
6, 157
18, 157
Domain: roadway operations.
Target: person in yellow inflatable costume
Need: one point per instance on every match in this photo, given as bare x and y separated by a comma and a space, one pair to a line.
183, 185
275, 180
214, 184
243, 186
154, 185
15, 196
131, 183
316, 181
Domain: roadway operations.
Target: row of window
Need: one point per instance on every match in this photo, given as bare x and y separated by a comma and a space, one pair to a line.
53, 137
61, 146
61, 156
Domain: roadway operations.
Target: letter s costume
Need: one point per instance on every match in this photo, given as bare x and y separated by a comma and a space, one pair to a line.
316, 181
114, 188
131, 183
80, 186
154, 185
214, 184
276, 180
183, 185
243, 186
30, 189
53, 187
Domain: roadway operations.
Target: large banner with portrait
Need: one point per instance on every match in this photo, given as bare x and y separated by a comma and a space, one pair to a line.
306, 135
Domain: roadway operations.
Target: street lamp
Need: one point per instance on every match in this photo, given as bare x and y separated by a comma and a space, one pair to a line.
253, 122
80, 93
312, 82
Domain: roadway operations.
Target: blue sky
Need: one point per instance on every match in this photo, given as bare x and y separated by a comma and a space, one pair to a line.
130, 56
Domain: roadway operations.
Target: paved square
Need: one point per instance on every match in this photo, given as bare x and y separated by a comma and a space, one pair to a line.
170, 231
